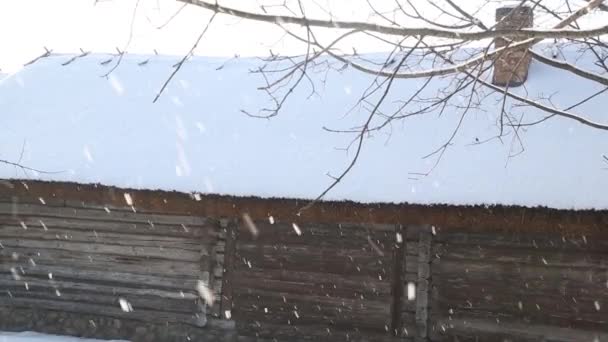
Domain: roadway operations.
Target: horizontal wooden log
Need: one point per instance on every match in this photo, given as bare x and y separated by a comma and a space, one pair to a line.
489, 326
320, 233
161, 252
94, 236
271, 307
570, 282
107, 276
144, 228
549, 258
33, 210
7, 280
316, 332
567, 242
126, 264
313, 284
158, 316
137, 301
315, 260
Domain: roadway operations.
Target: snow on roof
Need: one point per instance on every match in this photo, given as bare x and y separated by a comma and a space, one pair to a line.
37, 337
196, 139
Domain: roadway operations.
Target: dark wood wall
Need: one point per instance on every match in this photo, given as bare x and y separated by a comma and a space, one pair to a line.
491, 286
86, 259
324, 280
320, 279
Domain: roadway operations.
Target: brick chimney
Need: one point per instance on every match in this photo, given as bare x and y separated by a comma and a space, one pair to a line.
511, 67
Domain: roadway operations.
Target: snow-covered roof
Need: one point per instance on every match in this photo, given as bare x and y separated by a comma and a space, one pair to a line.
196, 139
37, 337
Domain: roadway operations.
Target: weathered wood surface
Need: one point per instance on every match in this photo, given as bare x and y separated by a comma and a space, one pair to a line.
479, 329
314, 278
397, 288
312, 332
85, 259
519, 286
73, 225
228, 268
423, 284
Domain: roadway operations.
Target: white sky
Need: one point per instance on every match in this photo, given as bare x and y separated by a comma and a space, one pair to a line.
26, 26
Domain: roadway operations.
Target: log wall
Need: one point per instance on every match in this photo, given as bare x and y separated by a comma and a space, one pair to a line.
318, 280
77, 252
532, 287
102, 260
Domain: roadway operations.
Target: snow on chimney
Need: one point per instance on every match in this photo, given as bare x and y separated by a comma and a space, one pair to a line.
511, 67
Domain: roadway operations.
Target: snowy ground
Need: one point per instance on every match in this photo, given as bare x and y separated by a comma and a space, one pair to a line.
36, 337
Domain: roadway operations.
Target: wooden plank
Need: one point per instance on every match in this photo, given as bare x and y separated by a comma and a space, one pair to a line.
33, 210
93, 236
229, 276
549, 258
102, 310
397, 281
513, 276
137, 301
205, 278
160, 252
8, 280
271, 307
127, 264
596, 242
316, 260
478, 329
422, 285
156, 229
215, 274
366, 290
105, 276
284, 233
317, 332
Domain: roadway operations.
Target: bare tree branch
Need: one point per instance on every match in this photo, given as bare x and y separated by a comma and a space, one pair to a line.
555, 33
361, 137
183, 60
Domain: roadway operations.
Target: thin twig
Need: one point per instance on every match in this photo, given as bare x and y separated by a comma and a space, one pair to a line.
183, 60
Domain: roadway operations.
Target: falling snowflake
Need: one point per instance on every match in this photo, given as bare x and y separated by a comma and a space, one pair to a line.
205, 293
116, 85
411, 291
125, 305
87, 153
253, 229
296, 229
128, 199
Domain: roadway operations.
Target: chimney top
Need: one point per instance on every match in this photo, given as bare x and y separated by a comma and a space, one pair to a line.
511, 66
